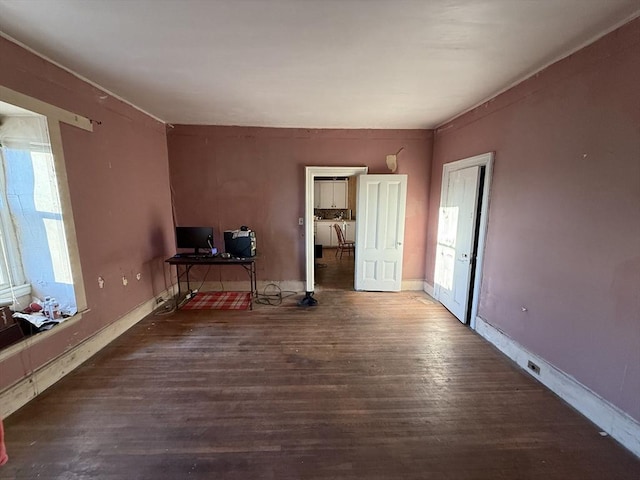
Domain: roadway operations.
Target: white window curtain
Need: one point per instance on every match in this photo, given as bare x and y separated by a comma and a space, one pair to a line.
11, 271
28, 134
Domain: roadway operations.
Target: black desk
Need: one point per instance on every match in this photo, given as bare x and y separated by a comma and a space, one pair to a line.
188, 262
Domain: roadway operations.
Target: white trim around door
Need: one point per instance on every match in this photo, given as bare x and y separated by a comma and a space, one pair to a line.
484, 161
310, 174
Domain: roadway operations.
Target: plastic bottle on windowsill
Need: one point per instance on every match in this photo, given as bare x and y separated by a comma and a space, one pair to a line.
55, 309
46, 307
51, 309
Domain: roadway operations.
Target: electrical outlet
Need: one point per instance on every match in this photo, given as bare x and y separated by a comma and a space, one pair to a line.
533, 367
300, 221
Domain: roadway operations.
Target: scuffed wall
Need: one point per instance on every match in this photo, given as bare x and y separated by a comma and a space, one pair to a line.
563, 236
118, 178
226, 177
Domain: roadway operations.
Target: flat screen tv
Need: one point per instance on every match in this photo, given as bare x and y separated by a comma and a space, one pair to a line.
195, 238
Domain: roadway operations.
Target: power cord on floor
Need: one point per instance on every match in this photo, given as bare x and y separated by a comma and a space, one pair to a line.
171, 305
166, 308
273, 295
203, 279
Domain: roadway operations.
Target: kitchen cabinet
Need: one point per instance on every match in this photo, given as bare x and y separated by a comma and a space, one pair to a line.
340, 199
323, 233
316, 195
326, 234
350, 231
330, 194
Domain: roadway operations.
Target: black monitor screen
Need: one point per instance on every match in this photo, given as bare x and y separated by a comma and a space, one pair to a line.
194, 237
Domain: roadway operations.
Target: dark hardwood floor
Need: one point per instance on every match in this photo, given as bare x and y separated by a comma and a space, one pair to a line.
333, 272
362, 386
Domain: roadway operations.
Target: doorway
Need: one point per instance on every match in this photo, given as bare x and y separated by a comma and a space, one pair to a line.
333, 272
462, 226
311, 173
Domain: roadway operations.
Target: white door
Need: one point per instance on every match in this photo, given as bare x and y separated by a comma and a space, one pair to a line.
381, 208
456, 233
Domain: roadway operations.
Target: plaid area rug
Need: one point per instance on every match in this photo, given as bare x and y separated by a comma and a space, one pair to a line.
219, 301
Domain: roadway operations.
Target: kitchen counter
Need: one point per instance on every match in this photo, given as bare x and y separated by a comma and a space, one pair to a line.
325, 233
334, 221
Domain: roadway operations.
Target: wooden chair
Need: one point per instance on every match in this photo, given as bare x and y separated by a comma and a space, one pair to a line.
343, 244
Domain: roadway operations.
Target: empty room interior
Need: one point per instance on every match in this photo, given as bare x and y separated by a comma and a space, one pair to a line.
427, 211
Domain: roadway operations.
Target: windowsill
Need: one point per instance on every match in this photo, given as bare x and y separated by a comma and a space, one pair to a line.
36, 338
9, 293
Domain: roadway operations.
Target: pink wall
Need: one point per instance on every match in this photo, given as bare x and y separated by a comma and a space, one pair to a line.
564, 222
232, 176
119, 185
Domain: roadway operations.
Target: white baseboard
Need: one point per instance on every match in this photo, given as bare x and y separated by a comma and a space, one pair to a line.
17, 395
606, 416
284, 285
243, 286
405, 286
287, 285
428, 289
412, 285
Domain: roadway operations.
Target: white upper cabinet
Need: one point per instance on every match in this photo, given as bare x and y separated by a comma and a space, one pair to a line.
340, 194
326, 194
330, 194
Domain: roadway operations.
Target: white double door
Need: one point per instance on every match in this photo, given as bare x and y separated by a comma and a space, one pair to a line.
456, 240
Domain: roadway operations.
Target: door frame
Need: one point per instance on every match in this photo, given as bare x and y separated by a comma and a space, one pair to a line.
310, 174
483, 160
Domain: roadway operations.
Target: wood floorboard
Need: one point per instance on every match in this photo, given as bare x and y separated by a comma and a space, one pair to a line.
363, 386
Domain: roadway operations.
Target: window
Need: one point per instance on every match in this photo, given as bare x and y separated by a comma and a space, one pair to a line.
11, 273
34, 253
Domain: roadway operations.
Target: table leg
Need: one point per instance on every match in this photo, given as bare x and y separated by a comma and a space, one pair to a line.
186, 273
179, 289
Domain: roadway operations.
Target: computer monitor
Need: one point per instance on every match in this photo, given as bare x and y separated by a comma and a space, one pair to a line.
194, 237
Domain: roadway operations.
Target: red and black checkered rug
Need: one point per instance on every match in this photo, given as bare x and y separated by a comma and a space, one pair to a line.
219, 301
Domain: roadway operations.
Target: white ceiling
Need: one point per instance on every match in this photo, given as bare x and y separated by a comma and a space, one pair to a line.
308, 63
